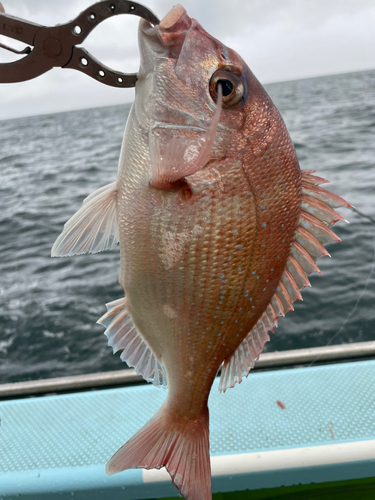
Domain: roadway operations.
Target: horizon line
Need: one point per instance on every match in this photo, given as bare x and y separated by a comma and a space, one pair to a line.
129, 103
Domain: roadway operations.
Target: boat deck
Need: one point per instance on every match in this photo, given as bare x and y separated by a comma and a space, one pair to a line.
281, 427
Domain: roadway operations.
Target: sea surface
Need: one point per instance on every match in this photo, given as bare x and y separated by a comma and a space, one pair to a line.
50, 163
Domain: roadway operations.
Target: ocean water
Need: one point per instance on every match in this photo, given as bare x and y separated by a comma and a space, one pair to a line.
49, 163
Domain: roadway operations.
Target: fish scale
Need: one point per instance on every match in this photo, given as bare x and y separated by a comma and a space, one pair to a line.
178, 276
167, 285
218, 230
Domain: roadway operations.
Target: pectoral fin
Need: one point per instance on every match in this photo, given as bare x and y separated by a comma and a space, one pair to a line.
93, 228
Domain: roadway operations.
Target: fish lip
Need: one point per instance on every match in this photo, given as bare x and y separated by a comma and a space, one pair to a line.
169, 35
174, 17
169, 21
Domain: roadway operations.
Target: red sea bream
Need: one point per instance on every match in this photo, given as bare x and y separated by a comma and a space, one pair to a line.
218, 229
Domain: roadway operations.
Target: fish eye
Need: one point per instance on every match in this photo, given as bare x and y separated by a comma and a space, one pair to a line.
231, 84
226, 85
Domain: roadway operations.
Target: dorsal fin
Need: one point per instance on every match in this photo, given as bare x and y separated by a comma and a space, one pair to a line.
122, 335
312, 232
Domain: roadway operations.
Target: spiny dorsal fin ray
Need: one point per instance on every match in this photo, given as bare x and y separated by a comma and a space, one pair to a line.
323, 195
122, 335
317, 228
304, 259
313, 179
312, 232
277, 306
298, 273
93, 228
283, 295
320, 210
310, 243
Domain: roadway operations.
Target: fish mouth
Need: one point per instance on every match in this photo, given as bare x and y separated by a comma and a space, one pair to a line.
175, 22
167, 38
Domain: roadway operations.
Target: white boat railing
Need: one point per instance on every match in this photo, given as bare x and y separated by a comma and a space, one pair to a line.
129, 376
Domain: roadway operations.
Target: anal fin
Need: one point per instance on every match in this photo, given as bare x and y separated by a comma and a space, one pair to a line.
93, 228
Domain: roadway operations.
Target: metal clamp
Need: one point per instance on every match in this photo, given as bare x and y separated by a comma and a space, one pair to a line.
56, 46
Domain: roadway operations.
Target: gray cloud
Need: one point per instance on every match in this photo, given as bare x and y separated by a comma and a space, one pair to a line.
280, 40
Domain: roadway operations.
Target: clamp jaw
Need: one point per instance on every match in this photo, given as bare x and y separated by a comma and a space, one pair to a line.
56, 46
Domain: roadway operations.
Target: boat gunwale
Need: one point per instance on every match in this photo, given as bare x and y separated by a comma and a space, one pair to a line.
130, 376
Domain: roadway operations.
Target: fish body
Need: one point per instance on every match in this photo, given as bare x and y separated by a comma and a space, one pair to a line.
218, 229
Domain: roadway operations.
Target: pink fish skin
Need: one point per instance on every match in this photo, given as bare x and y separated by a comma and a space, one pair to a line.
218, 230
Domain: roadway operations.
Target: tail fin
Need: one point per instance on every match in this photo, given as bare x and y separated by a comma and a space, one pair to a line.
169, 440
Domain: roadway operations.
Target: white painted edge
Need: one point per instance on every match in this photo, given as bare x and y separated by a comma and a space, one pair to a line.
291, 458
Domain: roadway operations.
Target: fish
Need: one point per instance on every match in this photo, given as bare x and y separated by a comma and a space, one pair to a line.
218, 229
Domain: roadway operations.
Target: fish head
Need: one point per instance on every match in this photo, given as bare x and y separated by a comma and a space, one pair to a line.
182, 68
181, 51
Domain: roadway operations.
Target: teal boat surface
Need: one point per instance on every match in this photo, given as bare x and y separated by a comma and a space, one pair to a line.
304, 432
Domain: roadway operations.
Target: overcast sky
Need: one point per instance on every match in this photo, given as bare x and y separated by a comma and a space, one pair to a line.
279, 39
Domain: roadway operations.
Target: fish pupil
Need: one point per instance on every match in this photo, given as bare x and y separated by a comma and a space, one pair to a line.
226, 85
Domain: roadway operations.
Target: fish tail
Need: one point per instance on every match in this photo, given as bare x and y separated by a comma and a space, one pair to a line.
180, 445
